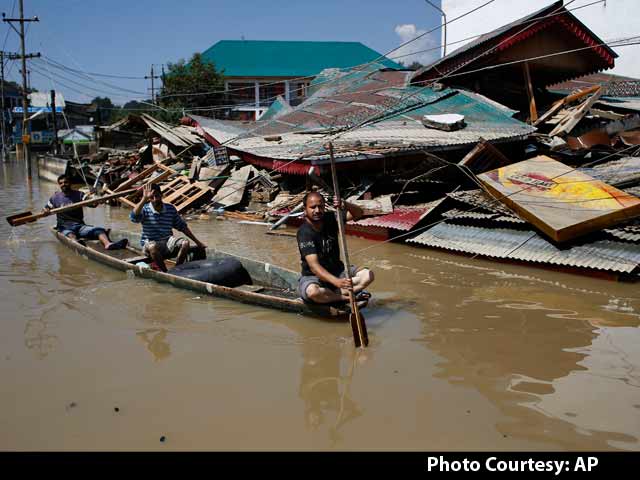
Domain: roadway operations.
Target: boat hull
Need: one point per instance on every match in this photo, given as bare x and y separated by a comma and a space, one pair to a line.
277, 279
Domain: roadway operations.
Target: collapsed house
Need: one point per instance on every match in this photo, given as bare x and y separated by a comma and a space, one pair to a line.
491, 151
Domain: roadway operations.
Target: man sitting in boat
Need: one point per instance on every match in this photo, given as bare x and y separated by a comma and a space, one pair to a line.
324, 279
71, 223
158, 220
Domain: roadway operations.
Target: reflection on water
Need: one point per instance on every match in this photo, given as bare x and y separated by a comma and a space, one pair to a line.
551, 360
155, 339
325, 390
539, 348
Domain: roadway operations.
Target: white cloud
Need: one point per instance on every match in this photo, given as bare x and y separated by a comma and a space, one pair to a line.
424, 50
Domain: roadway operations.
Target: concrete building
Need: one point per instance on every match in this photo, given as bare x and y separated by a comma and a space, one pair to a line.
257, 72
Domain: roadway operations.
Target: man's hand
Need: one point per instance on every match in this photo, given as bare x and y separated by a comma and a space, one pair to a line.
147, 193
200, 244
344, 284
46, 211
337, 205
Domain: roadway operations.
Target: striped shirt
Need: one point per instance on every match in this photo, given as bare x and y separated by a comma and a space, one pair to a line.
158, 225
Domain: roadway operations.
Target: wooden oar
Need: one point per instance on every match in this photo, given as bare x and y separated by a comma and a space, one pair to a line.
28, 217
359, 327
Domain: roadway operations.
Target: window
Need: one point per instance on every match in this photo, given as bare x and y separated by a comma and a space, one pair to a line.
244, 92
269, 92
299, 90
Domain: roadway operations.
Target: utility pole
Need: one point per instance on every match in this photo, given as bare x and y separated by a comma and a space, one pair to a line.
3, 56
444, 27
153, 89
55, 122
28, 79
4, 135
25, 93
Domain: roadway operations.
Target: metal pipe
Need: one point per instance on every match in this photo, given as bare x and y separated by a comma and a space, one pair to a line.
444, 27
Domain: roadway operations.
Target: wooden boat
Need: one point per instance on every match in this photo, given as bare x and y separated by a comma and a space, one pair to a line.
273, 286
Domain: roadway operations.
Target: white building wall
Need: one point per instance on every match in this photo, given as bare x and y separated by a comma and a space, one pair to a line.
612, 19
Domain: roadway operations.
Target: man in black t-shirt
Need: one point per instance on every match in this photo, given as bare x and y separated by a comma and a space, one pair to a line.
324, 279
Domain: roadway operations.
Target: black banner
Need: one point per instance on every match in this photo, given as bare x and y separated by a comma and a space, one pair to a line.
550, 464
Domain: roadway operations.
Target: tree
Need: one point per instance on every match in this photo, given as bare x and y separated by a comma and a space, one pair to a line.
131, 107
415, 66
185, 85
104, 109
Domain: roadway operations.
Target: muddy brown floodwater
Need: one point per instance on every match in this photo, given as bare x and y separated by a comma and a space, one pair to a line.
465, 354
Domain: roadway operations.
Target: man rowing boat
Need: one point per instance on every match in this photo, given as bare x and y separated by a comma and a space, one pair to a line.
324, 278
71, 223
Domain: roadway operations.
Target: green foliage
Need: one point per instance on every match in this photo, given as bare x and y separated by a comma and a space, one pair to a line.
104, 109
132, 107
412, 66
183, 81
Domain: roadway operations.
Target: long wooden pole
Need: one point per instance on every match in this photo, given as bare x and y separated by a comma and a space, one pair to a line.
533, 112
28, 217
360, 336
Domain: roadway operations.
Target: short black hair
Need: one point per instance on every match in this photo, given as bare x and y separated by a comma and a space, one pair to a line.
155, 188
310, 194
64, 176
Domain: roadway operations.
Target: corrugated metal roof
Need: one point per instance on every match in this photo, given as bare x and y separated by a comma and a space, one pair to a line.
392, 110
482, 39
480, 199
222, 130
614, 172
278, 108
629, 233
262, 58
603, 79
510, 34
402, 218
528, 246
630, 103
455, 214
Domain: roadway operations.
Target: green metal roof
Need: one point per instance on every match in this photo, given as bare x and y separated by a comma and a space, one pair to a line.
266, 58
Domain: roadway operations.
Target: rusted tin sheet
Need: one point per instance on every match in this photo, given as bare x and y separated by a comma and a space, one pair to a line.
561, 201
589, 139
402, 218
528, 246
630, 138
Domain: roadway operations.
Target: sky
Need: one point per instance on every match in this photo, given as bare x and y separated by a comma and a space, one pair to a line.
124, 37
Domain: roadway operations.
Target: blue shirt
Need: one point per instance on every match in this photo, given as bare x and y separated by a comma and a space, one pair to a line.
158, 225
72, 217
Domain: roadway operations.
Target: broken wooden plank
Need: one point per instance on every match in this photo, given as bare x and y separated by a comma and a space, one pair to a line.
559, 200
213, 177
129, 203
194, 171
565, 101
141, 176
232, 190
483, 157
570, 121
